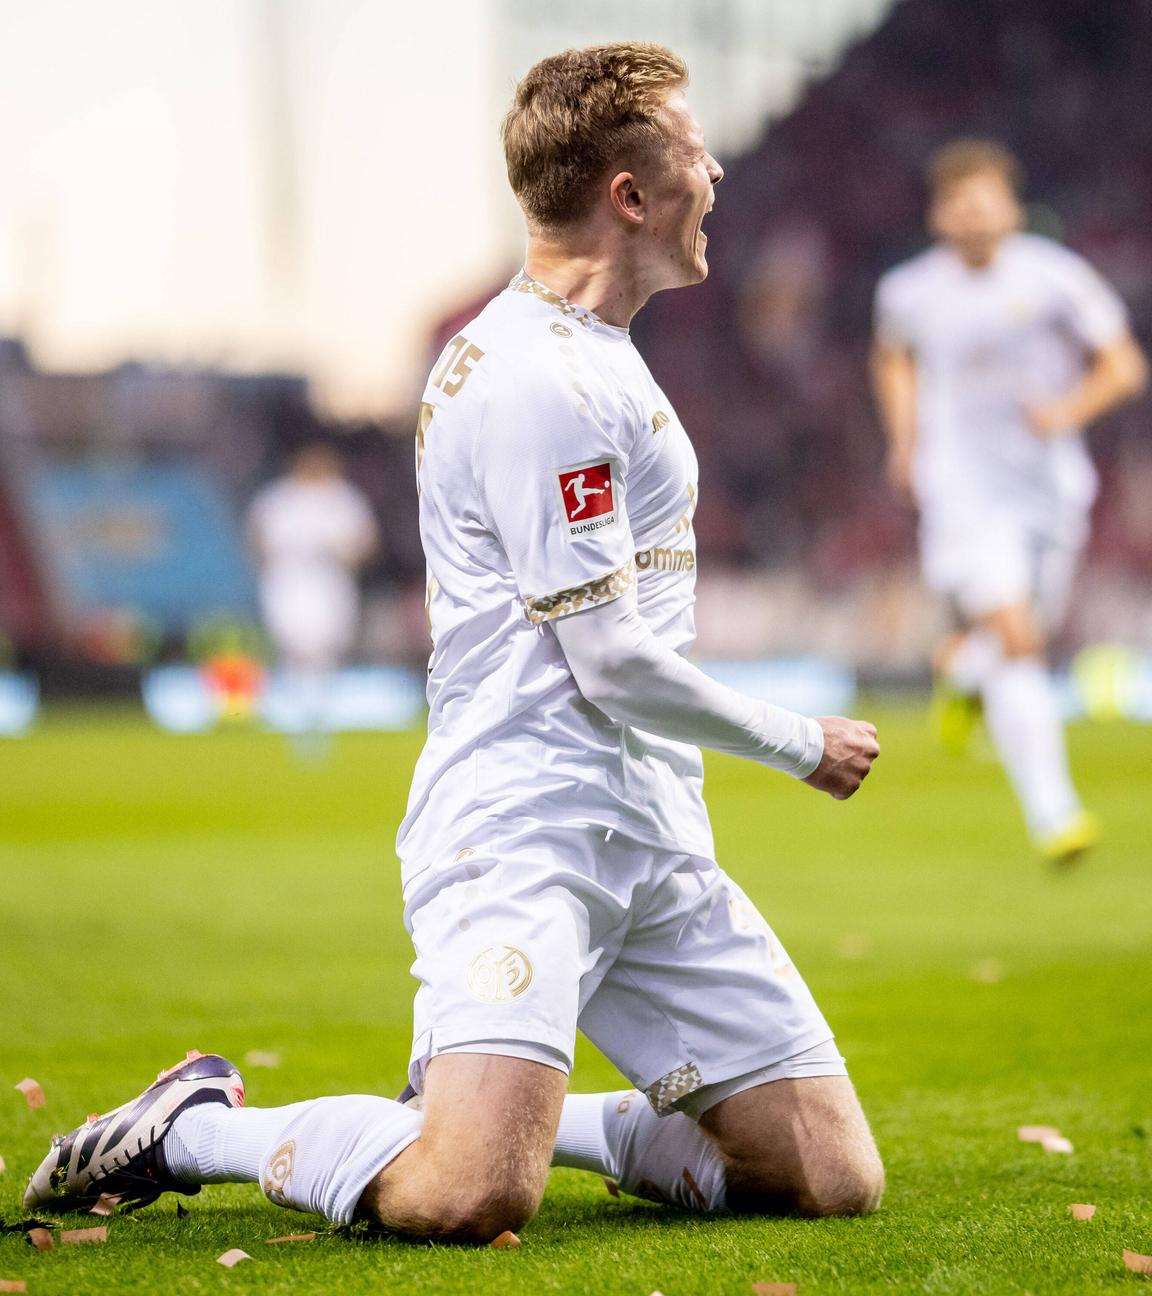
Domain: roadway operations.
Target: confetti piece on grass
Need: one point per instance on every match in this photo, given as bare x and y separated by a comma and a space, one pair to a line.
262, 1058
70, 1236
1036, 1133
13, 1285
774, 1289
41, 1239
506, 1241
3, 1167
106, 1204
292, 1237
1082, 1210
1056, 1143
33, 1093
987, 971
233, 1257
1136, 1262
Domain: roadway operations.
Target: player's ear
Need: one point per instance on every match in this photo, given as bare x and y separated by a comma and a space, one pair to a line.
626, 199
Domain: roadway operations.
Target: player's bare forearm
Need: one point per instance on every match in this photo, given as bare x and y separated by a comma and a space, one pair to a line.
850, 747
1118, 373
894, 386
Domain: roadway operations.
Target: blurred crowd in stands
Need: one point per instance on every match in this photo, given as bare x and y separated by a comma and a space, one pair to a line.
767, 362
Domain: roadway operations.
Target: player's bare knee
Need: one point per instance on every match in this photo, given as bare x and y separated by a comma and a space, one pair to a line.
479, 1215
1018, 632
844, 1186
460, 1212
854, 1188
1020, 646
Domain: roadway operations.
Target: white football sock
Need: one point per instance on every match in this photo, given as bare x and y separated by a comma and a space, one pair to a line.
320, 1155
662, 1158
314, 1156
217, 1144
581, 1143
971, 662
1023, 717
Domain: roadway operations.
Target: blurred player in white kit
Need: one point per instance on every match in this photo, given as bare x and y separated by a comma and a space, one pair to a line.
994, 350
311, 531
558, 865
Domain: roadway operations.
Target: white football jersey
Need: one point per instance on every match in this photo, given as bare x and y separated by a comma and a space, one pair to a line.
554, 475
988, 342
322, 524
310, 534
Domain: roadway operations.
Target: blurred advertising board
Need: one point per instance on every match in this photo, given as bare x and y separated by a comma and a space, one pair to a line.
810, 685
19, 703
188, 699
160, 539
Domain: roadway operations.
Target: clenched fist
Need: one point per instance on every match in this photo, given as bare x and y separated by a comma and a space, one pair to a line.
850, 747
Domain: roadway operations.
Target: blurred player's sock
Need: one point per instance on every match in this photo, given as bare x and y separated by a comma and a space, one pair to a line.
1023, 717
968, 661
314, 1156
661, 1158
961, 671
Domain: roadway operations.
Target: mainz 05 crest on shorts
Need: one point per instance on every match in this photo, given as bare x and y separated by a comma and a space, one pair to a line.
499, 973
587, 493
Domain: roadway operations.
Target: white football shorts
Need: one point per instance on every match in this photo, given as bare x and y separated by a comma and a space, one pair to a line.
660, 959
311, 615
992, 560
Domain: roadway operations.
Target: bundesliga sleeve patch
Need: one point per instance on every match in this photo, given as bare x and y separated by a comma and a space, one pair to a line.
588, 498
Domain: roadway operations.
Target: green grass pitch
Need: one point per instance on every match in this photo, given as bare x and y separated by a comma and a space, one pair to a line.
162, 893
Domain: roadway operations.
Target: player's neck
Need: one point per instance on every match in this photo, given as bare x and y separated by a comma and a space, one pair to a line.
978, 256
590, 278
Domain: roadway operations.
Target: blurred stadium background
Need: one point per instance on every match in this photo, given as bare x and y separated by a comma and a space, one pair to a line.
229, 228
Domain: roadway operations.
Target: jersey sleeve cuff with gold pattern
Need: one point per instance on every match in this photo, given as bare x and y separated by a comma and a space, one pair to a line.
547, 607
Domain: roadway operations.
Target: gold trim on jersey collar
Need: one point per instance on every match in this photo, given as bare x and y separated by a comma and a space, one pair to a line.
523, 282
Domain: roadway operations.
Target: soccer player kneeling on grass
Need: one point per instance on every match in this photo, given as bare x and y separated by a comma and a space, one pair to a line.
994, 349
557, 858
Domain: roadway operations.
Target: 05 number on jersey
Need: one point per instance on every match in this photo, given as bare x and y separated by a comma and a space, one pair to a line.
454, 367
452, 371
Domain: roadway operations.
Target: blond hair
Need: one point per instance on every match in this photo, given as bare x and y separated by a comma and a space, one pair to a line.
968, 157
577, 113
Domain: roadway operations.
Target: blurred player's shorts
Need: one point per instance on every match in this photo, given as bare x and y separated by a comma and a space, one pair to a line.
998, 561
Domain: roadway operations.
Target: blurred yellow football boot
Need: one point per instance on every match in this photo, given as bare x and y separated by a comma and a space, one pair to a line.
1066, 846
954, 716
